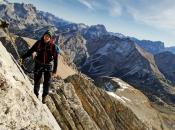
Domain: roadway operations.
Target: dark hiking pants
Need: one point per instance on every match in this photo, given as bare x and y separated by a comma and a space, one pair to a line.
47, 71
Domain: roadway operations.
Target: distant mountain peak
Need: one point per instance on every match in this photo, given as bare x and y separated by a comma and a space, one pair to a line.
6, 1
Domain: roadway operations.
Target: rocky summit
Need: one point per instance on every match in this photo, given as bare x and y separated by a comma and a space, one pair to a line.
112, 56
120, 86
123, 58
74, 103
20, 109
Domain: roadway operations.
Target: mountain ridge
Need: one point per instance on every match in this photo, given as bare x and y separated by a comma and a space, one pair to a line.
74, 97
76, 102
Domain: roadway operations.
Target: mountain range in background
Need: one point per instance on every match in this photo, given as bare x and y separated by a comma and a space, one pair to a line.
152, 47
144, 64
27, 14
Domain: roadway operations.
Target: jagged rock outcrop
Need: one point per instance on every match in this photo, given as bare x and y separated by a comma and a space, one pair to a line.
152, 47
105, 110
25, 20
123, 58
92, 32
165, 61
75, 48
138, 103
112, 56
20, 109
21, 16
78, 104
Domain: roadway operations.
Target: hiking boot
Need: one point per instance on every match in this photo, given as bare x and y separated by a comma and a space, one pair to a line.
44, 100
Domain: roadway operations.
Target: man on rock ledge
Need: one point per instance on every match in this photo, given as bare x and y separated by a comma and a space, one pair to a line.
46, 53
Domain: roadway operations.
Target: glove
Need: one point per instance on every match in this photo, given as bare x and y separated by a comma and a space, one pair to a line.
20, 61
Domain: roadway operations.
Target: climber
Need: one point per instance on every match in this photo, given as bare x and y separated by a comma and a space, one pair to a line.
46, 53
3, 24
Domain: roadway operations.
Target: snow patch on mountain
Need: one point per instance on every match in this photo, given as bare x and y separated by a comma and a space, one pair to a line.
69, 35
104, 50
122, 86
116, 96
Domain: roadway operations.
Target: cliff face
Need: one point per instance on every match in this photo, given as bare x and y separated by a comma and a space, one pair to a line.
20, 109
112, 56
78, 104
24, 15
75, 48
91, 32
123, 58
109, 112
75, 103
152, 47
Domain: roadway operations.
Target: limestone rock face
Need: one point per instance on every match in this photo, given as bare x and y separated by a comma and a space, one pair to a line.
23, 15
68, 110
20, 109
78, 104
132, 98
105, 110
152, 47
92, 32
75, 48
123, 58
112, 56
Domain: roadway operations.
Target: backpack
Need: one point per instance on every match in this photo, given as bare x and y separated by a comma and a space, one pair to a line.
51, 46
58, 49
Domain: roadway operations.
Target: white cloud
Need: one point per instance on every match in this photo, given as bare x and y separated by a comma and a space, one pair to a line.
115, 9
86, 4
157, 13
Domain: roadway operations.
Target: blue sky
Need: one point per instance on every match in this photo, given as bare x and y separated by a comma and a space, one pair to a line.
150, 20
